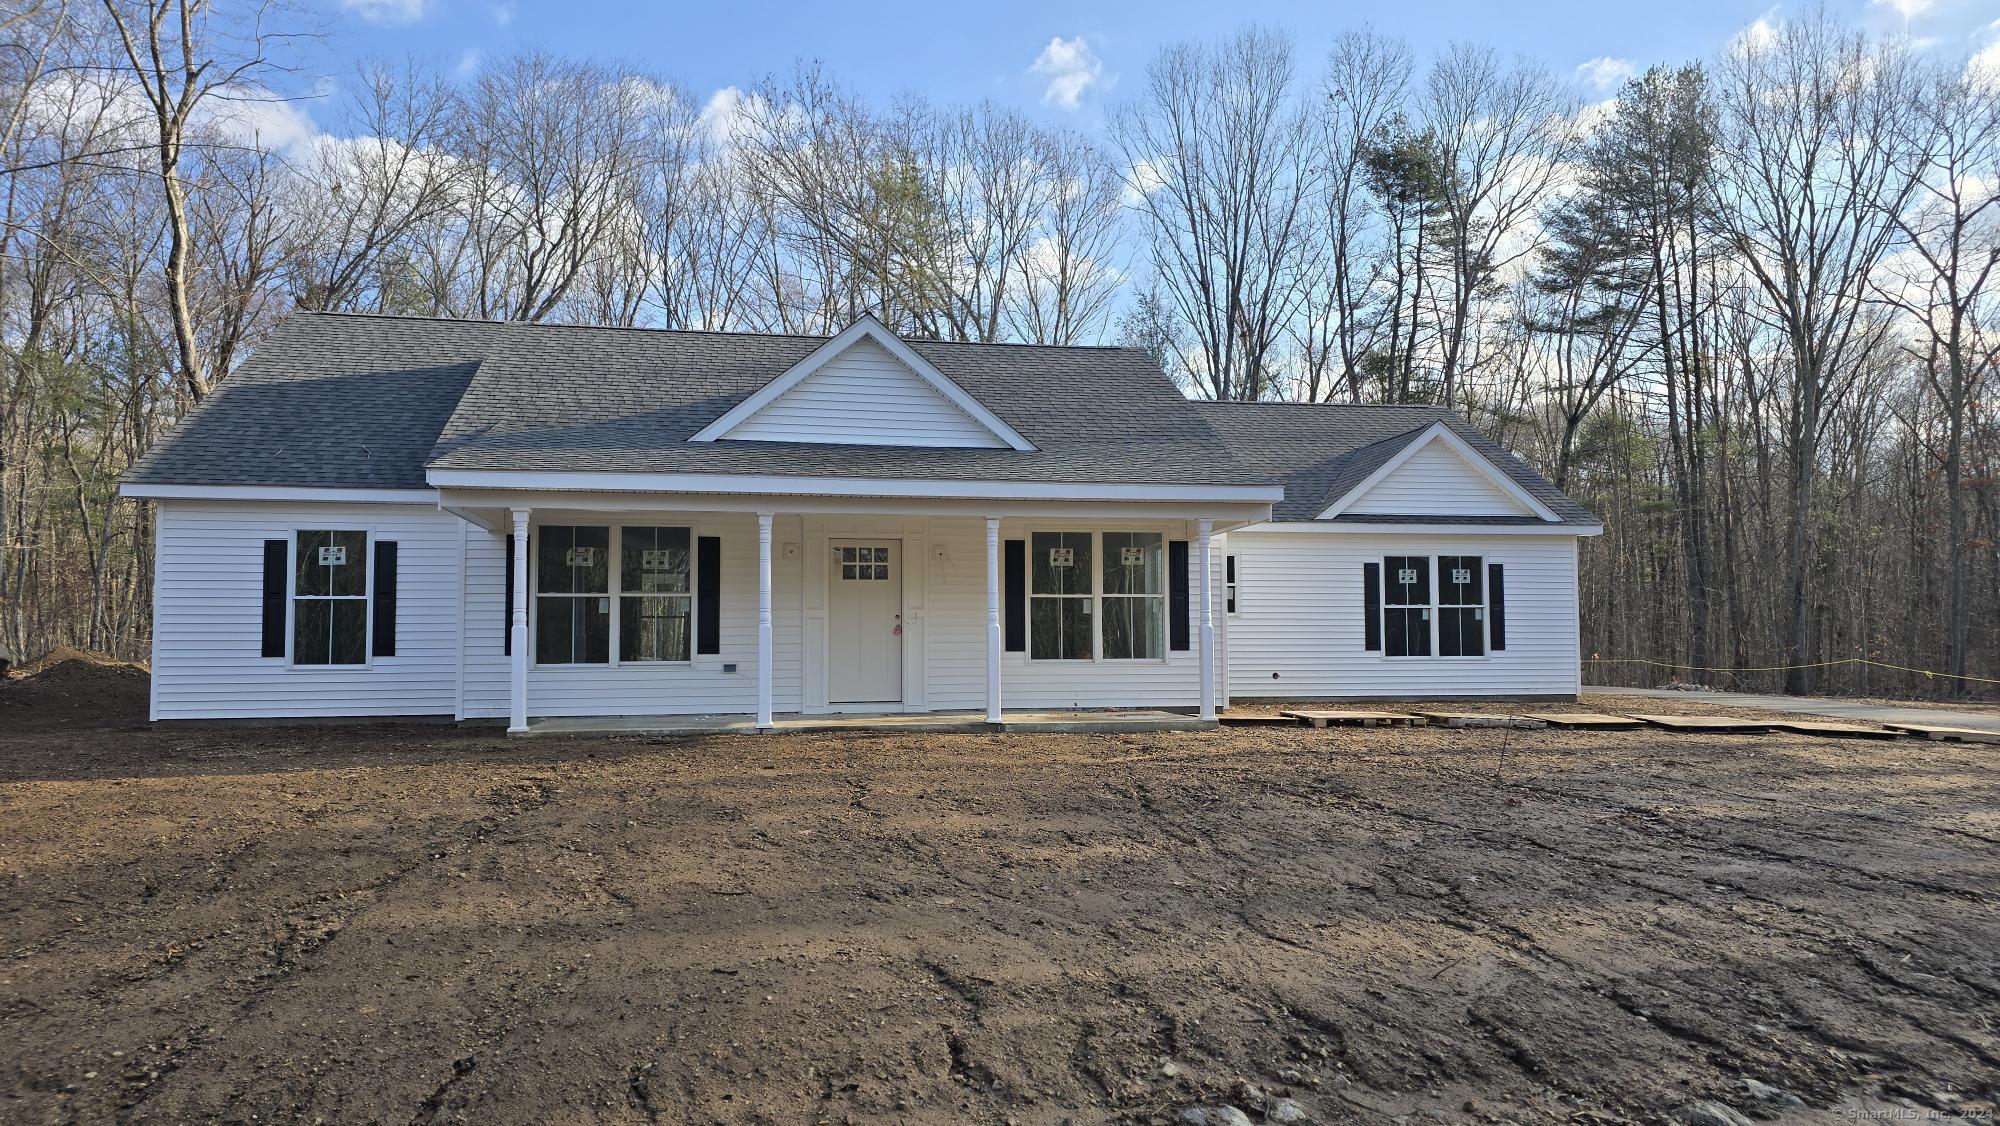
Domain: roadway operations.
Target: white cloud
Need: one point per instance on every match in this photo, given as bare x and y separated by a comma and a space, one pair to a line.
1605, 72
503, 14
1141, 180
1908, 9
1071, 68
257, 118
1985, 66
386, 11
468, 63
1761, 35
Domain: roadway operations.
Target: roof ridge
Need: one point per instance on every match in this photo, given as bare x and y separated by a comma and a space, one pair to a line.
362, 314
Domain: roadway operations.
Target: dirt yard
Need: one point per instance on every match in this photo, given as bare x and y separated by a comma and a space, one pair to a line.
366, 924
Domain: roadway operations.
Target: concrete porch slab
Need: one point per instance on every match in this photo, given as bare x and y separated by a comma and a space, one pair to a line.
899, 723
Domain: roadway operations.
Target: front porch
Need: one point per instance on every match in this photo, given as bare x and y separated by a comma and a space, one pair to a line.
685, 613
882, 723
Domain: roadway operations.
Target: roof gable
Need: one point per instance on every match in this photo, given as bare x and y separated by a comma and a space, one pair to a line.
864, 387
1438, 474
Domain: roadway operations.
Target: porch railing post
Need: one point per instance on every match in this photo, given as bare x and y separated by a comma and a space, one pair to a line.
517, 626
764, 621
1207, 533
993, 619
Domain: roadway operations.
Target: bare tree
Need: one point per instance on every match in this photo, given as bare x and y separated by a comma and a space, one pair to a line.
1950, 225
1502, 138
1222, 171
1812, 178
184, 56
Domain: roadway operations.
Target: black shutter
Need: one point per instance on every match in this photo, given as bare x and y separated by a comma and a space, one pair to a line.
276, 560
1496, 608
1016, 571
507, 603
385, 598
1371, 606
1177, 595
708, 594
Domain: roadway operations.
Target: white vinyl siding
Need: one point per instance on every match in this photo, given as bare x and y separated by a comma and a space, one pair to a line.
1306, 623
1436, 481
207, 650
865, 396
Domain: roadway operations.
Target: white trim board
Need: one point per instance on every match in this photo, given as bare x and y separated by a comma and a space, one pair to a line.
1334, 527
867, 328
1439, 432
913, 488
142, 491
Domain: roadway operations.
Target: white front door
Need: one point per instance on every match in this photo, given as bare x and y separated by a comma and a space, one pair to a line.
865, 623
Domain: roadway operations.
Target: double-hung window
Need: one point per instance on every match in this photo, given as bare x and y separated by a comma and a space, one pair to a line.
1461, 611
572, 595
330, 598
1097, 594
1229, 584
1418, 623
655, 594
1060, 599
1134, 591
1406, 606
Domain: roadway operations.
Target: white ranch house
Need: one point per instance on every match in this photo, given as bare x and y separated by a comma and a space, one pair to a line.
383, 516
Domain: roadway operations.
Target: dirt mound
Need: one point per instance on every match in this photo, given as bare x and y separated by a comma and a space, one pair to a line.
69, 687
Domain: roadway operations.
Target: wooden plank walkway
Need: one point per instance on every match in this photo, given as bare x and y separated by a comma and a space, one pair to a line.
1952, 734
1320, 718
1829, 729
1585, 721
1721, 725
1480, 719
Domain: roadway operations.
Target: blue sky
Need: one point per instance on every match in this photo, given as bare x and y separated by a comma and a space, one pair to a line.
1066, 61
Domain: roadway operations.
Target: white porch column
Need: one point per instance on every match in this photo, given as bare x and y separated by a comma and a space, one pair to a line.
993, 619
764, 620
1207, 533
517, 712
1222, 636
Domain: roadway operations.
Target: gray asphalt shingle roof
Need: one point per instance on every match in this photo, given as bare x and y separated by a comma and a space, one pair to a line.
621, 400
355, 401
1321, 451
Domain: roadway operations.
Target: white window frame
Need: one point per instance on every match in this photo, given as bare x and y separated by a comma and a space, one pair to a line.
292, 597
614, 584
617, 582
1434, 617
1439, 606
1097, 597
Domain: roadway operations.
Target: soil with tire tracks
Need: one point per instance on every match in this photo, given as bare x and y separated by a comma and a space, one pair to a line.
422, 924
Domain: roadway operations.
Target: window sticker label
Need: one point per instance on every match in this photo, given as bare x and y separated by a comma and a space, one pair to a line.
1407, 576
654, 559
1132, 556
581, 557
333, 557
1062, 557
1461, 576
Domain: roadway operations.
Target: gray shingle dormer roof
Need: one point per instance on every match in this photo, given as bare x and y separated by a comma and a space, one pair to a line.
373, 402
1321, 451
